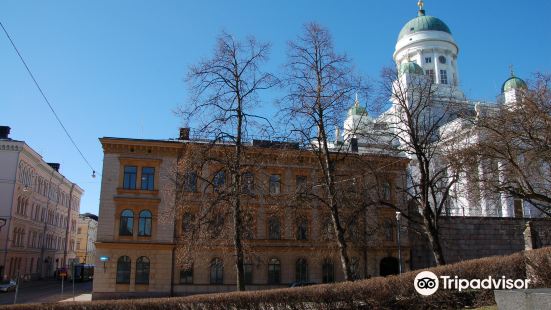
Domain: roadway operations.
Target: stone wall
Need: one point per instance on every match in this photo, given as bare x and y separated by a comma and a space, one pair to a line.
464, 238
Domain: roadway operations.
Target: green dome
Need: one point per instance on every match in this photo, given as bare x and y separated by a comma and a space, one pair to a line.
513, 83
357, 110
423, 23
410, 67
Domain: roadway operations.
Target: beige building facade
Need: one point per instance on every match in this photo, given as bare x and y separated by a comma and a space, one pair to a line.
142, 230
87, 232
39, 210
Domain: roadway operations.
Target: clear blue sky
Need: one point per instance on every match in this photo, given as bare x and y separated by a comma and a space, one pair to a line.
116, 68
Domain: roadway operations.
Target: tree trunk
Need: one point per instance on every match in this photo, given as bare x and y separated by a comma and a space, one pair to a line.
432, 234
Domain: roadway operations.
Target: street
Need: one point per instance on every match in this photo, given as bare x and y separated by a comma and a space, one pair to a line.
45, 291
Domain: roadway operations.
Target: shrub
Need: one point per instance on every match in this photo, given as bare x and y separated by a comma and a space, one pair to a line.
392, 292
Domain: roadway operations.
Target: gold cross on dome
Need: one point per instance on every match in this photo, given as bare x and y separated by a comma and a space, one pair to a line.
420, 4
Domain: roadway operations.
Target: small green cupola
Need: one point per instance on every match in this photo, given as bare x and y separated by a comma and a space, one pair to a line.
356, 109
410, 67
513, 83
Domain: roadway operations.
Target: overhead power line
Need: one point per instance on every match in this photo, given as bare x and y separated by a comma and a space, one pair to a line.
47, 101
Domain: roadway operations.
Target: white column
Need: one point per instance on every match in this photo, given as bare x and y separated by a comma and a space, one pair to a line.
506, 203
436, 68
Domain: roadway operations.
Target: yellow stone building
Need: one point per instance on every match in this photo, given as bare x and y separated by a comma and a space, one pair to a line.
87, 232
144, 229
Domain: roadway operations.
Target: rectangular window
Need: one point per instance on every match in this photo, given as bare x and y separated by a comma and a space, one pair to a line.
443, 77
190, 182
186, 276
430, 74
275, 184
148, 178
130, 173
301, 184
219, 180
248, 268
428, 60
248, 183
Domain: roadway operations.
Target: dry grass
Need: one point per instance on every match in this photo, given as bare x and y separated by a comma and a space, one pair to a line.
393, 292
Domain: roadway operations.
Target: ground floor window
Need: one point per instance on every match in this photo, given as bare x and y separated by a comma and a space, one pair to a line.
123, 270
142, 270
186, 275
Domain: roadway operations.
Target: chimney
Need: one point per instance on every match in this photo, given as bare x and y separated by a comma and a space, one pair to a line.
354, 145
4, 132
55, 166
184, 133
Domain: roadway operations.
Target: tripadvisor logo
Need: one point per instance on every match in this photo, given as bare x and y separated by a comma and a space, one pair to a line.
427, 283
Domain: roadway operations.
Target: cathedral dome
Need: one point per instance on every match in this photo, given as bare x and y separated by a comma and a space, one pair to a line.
513, 83
411, 68
423, 23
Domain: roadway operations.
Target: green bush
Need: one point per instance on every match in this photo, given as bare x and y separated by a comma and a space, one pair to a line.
392, 292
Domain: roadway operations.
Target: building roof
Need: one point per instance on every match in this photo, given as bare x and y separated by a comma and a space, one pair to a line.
410, 67
513, 83
423, 23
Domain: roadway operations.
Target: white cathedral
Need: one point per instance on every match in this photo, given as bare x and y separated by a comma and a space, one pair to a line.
427, 50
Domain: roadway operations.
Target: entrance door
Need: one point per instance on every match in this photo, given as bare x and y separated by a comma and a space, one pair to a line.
389, 265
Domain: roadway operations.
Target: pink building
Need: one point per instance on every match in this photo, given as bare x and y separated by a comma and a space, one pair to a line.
39, 210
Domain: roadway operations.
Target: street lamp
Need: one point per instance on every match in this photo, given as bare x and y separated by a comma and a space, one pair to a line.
398, 215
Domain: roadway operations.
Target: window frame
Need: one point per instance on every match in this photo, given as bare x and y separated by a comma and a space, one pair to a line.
147, 179
216, 273
186, 275
328, 271
129, 182
274, 271
301, 270
145, 220
273, 219
128, 223
123, 275
443, 77
275, 184
143, 268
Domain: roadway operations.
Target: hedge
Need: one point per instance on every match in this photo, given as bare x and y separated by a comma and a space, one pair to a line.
392, 292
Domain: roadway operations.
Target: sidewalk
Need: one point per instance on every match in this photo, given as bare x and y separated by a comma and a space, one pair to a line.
81, 297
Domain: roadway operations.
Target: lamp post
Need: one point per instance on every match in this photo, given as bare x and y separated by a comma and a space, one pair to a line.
398, 215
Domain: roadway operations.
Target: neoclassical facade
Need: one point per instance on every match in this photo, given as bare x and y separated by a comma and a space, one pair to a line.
426, 51
143, 231
39, 209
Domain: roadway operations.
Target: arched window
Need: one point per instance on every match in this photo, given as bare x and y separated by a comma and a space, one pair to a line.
144, 224
186, 275
127, 223
274, 271
142, 270
187, 222
216, 271
327, 230
301, 271
274, 228
123, 270
302, 229
328, 271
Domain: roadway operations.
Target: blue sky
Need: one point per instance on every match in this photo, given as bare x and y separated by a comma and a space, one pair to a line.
116, 68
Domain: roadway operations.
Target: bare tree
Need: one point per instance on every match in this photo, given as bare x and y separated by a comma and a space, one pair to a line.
320, 86
418, 110
514, 146
224, 91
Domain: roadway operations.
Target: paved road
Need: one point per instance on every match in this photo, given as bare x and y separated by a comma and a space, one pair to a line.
45, 291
